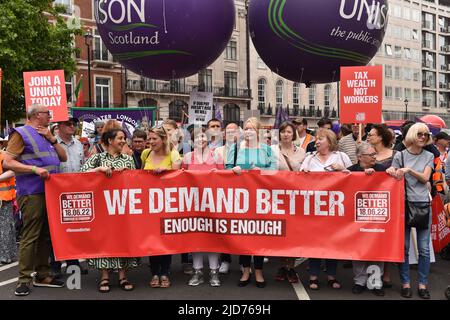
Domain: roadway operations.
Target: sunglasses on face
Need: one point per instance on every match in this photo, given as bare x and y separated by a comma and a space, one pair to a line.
423, 135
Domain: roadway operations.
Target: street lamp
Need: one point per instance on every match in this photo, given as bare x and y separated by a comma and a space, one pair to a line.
88, 42
406, 106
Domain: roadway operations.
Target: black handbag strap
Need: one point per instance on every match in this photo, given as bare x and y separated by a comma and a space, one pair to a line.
404, 177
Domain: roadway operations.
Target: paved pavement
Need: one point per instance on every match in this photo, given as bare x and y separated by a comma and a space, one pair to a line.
439, 280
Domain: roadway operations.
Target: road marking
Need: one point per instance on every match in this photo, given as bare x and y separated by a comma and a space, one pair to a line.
300, 291
9, 266
4, 283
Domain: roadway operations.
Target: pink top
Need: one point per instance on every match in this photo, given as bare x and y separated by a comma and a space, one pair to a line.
212, 161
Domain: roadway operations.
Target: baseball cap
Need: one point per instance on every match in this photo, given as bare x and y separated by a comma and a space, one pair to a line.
71, 119
442, 135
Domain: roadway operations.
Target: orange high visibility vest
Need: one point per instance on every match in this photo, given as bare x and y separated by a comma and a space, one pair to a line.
308, 139
8, 187
438, 175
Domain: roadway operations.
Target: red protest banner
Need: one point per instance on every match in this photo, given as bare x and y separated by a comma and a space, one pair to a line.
318, 215
440, 233
361, 94
47, 88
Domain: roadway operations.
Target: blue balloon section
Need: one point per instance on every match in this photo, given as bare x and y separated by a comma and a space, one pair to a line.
309, 40
165, 39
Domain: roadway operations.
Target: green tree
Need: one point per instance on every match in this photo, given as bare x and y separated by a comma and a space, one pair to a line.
33, 36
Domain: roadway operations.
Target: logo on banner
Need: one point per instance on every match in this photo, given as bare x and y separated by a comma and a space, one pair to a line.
372, 206
77, 207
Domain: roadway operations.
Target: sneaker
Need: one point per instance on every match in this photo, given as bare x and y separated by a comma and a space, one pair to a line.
224, 267
281, 274
292, 276
22, 289
187, 268
197, 278
48, 282
214, 280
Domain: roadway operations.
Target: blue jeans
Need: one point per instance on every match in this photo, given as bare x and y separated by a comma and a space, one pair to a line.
423, 244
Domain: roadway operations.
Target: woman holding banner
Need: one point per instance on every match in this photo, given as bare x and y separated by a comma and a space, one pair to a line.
252, 155
111, 160
289, 157
381, 138
415, 164
101, 145
203, 158
160, 158
325, 159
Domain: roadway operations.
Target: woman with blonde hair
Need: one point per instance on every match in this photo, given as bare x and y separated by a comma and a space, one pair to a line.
415, 165
160, 158
252, 155
325, 159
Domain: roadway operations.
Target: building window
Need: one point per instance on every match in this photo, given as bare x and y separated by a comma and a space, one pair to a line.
261, 93
69, 90
408, 93
417, 95
178, 85
388, 50
102, 92
205, 80
415, 34
100, 51
230, 83
147, 102
312, 95
398, 52
398, 93
231, 51
296, 95
178, 110
398, 73
327, 94
407, 73
388, 93
416, 75
279, 93
408, 53
388, 71
231, 113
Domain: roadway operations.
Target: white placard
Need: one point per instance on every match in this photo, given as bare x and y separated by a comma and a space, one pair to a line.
200, 107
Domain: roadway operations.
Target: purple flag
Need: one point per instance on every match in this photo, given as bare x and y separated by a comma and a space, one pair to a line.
218, 115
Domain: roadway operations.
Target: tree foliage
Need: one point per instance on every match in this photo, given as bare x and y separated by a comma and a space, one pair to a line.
33, 36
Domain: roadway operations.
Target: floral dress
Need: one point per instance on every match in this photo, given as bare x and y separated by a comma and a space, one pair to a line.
106, 160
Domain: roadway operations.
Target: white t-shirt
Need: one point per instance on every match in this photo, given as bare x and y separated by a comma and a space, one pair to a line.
313, 163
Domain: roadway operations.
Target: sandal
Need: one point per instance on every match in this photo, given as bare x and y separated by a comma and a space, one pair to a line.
103, 286
125, 284
155, 282
165, 282
314, 284
332, 284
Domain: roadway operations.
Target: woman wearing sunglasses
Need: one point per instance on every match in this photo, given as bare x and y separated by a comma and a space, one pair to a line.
160, 158
415, 164
326, 158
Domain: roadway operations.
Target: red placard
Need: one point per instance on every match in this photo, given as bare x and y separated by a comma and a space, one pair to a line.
317, 215
361, 94
47, 88
440, 233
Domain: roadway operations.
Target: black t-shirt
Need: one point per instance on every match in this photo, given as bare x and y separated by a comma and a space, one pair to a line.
357, 167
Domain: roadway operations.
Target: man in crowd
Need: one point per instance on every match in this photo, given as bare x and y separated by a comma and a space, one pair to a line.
303, 137
75, 159
322, 123
214, 132
138, 145
33, 154
349, 143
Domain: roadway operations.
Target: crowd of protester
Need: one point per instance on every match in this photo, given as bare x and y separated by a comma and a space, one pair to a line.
36, 150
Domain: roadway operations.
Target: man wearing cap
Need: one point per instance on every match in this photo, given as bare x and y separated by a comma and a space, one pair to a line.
75, 159
441, 141
33, 153
303, 137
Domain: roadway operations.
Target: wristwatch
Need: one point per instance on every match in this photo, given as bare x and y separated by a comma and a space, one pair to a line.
55, 142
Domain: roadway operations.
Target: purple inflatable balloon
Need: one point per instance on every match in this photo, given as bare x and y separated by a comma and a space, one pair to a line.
309, 40
165, 39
